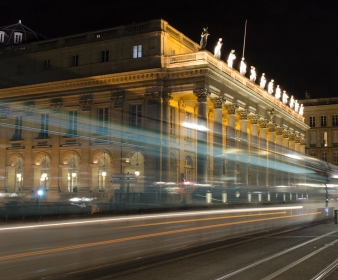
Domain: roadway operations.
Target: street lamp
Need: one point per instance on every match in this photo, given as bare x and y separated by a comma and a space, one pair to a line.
104, 174
73, 180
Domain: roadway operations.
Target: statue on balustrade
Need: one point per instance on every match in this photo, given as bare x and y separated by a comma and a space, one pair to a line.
270, 87
231, 58
253, 74
263, 81
285, 97
278, 92
242, 68
217, 52
204, 38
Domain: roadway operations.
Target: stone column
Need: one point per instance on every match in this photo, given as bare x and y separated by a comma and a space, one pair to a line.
218, 140
291, 141
279, 175
285, 135
271, 155
231, 145
243, 146
253, 168
302, 145
297, 143
166, 97
262, 178
202, 95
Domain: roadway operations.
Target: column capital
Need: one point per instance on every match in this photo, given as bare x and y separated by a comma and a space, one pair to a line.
302, 141
291, 136
56, 105
231, 108
243, 114
279, 130
253, 118
166, 97
286, 133
152, 97
86, 102
271, 127
202, 94
262, 123
218, 102
297, 139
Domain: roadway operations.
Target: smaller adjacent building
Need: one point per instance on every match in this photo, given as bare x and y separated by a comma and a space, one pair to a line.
322, 138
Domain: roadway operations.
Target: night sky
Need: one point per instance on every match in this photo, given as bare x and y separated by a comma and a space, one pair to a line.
294, 42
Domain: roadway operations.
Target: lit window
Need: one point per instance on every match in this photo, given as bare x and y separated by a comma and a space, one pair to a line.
105, 56
323, 139
137, 51
322, 120
312, 121
335, 137
75, 60
17, 38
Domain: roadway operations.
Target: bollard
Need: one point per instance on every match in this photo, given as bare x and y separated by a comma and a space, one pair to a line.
269, 197
284, 197
290, 196
259, 197
336, 216
249, 196
208, 197
296, 196
224, 197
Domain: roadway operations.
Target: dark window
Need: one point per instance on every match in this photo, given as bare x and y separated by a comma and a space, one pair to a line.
136, 115
312, 121
105, 56
103, 115
43, 126
322, 120
75, 60
72, 123
18, 129
47, 64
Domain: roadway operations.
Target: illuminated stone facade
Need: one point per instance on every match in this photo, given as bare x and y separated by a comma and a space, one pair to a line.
322, 137
114, 101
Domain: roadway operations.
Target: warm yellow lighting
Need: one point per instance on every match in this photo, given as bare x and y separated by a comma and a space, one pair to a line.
73, 174
104, 173
137, 173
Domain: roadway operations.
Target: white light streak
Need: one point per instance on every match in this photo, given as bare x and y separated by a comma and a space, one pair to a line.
170, 215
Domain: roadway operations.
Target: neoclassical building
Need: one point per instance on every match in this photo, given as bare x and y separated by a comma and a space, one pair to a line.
321, 114
139, 97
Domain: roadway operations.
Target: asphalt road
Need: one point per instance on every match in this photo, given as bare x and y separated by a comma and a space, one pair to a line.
111, 247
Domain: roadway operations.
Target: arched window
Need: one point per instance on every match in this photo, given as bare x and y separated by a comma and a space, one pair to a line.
72, 176
45, 173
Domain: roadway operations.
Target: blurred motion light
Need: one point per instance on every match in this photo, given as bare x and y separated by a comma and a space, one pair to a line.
195, 126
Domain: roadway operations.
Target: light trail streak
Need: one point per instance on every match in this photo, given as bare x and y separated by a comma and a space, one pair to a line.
137, 237
158, 216
202, 219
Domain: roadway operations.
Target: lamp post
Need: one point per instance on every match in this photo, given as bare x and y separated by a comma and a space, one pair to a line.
104, 174
44, 178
